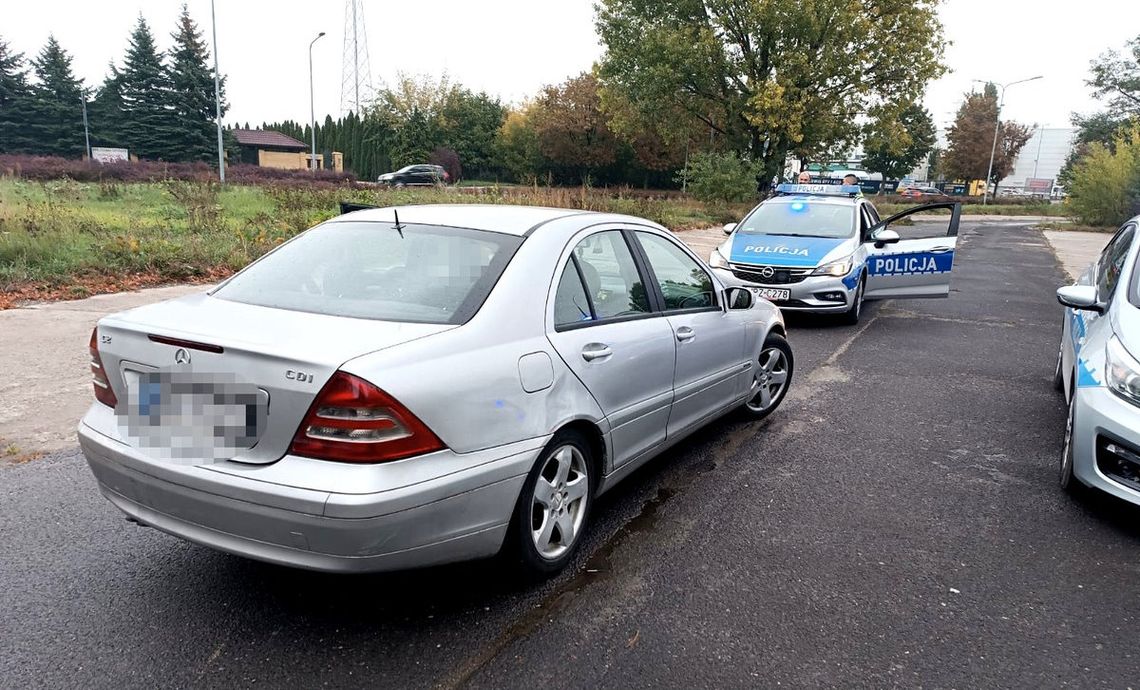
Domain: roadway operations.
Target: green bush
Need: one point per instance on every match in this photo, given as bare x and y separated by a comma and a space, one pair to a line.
720, 177
1106, 183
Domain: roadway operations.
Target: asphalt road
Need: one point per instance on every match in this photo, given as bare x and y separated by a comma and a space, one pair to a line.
897, 523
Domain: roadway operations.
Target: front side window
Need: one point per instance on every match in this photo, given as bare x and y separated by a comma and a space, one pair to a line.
683, 282
1112, 263
614, 285
370, 270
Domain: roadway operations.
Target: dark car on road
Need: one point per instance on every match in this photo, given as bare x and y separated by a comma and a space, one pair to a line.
415, 174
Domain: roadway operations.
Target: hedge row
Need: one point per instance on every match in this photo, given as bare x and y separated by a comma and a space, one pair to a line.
42, 168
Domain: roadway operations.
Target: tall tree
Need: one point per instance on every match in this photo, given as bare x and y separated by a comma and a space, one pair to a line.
15, 102
1116, 77
970, 139
106, 111
148, 119
192, 94
56, 109
516, 146
573, 133
469, 123
766, 77
896, 140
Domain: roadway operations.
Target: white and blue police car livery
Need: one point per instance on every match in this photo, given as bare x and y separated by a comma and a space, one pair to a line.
823, 248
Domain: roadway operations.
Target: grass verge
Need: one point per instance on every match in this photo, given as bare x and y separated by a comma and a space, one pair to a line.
61, 239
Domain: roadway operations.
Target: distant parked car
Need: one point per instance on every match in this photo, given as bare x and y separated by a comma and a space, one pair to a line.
923, 193
415, 174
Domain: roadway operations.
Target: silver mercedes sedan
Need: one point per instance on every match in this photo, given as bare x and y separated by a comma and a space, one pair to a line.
405, 387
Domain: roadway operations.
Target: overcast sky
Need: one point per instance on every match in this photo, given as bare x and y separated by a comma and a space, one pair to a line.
514, 47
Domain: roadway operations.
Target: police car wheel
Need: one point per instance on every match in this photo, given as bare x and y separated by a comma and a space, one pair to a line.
1058, 375
851, 316
770, 378
1068, 481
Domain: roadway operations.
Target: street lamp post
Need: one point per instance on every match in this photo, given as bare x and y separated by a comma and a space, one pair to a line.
312, 108
218, 98
86, 130
997, 127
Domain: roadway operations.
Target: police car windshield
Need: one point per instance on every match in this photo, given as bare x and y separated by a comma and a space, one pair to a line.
800, 217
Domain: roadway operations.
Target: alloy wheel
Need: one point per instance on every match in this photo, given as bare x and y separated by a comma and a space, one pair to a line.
769, 381
1066, 472
558, 506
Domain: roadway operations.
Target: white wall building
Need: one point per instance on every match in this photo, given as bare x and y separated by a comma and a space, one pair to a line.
1042, 157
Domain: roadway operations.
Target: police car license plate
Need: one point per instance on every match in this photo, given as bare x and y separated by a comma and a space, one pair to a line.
772, 294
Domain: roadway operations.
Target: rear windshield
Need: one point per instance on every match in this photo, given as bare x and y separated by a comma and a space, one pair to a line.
801, 218
369, 270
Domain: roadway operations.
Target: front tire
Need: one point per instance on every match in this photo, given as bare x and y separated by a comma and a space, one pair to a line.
1067, 478
851, 316
554, 507
1058, 373
771, 377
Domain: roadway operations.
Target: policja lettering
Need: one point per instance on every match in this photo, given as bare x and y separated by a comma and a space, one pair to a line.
906, 264
760, 249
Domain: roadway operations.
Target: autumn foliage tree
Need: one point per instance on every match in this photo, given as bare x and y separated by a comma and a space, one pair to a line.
970, 139
572, 131
767, 78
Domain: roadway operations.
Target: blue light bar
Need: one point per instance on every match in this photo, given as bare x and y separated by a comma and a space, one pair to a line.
820, 189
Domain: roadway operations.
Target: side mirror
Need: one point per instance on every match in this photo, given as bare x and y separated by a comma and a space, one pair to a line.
1082, 297
884, 236
738, 298
729, 227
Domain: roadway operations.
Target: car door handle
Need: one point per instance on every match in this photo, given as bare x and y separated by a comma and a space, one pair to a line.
940, 250
596, 351
685, 334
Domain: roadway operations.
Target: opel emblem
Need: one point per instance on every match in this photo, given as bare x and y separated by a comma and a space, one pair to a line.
767, 272
181, 356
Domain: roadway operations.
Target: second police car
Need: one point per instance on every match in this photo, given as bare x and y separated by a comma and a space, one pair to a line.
823, 248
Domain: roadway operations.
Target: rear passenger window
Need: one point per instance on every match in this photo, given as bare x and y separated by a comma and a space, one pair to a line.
571, 306
611, 276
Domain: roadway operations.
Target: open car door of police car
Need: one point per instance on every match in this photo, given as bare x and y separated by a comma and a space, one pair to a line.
919, 263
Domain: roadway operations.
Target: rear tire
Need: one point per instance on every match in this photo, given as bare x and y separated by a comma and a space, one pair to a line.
553, 509
771, 378
851, 316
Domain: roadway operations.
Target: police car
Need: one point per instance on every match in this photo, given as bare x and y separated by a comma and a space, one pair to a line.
1098, 369
823, 248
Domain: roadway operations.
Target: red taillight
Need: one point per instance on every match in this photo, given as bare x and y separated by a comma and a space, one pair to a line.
353, 421
103, 392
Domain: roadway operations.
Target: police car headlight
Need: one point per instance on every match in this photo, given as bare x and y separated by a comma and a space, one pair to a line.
717, 260
835, 268
1122, 371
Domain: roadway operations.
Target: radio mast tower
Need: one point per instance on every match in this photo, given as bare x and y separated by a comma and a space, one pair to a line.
356, 72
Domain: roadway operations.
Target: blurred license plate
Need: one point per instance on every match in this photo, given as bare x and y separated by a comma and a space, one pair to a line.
773, 294
201, 416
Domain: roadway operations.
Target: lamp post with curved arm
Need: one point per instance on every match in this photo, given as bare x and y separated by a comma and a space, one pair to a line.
312, 108
997, 127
